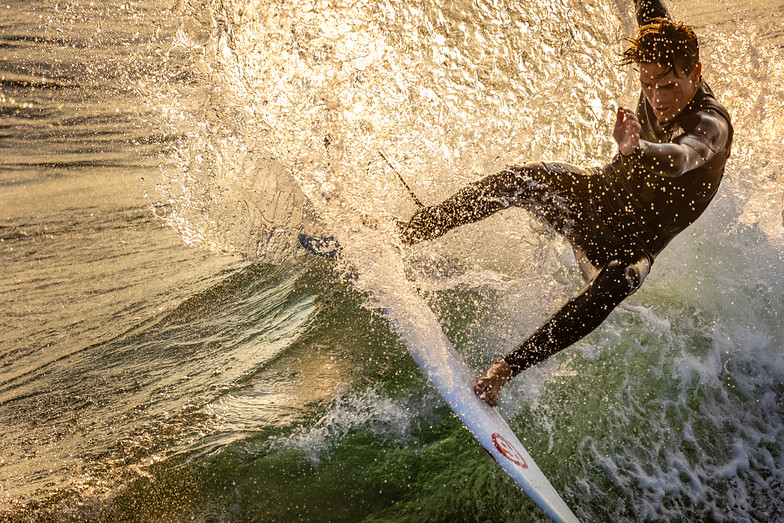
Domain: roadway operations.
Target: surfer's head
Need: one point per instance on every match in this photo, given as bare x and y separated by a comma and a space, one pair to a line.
667, 55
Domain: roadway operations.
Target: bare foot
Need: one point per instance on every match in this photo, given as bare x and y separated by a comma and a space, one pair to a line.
488, 387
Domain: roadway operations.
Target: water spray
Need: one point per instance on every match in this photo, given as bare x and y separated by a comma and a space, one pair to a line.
400, 177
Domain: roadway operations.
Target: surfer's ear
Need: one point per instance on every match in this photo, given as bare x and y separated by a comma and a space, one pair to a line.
694, 75
697, 71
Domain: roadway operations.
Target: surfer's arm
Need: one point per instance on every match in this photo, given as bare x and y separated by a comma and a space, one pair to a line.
687, 152
647, 10
582, 314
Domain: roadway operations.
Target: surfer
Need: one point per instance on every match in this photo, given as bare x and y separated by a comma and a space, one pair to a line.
619, 217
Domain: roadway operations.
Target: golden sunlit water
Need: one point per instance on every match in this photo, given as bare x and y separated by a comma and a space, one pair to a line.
169, 352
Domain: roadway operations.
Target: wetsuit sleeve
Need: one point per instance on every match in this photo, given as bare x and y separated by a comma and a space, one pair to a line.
686, 152
647, 10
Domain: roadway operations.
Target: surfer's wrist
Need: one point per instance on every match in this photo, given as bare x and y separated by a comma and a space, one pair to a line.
501, 369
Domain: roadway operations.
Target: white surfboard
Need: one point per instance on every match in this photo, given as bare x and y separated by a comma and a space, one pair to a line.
454, 381
419, 329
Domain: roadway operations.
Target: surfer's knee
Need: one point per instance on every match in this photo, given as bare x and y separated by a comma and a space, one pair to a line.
622, 279
636, 272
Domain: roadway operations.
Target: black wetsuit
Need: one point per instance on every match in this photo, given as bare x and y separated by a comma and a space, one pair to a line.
617, 218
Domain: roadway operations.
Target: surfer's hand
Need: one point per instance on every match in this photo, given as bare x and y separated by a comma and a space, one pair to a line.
488, 387
627, 130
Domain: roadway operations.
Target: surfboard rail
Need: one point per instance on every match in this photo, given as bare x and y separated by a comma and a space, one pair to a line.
453, 380
494, 434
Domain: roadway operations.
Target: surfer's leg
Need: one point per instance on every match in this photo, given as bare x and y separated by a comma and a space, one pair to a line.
546, 188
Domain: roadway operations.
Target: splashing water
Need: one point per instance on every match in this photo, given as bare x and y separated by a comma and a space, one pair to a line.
304, 97
293, 104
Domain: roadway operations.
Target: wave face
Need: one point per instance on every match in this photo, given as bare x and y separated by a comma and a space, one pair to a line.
178, 385
661, 413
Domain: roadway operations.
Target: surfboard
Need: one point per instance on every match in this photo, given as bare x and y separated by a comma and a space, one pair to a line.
453, 380
421, 332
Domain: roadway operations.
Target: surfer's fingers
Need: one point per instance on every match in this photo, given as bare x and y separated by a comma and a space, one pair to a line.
619, 116
480, 386
483, 387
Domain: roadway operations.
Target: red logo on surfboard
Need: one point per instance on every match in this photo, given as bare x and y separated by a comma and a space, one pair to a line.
508, 450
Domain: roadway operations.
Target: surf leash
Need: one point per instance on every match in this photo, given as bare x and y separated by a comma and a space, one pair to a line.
400, 177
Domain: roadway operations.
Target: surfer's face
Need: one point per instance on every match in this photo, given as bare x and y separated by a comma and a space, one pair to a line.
668, 94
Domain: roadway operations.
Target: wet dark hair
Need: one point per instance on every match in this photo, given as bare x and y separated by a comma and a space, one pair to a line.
669, 44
